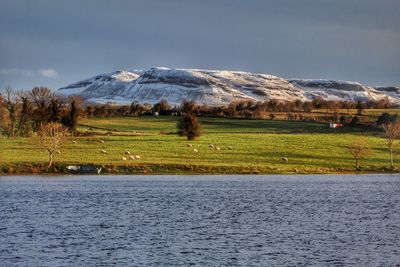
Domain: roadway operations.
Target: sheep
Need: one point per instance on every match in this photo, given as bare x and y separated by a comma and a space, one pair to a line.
217, 148
74, 142
123, 158
132, 157
103, 151
137, 156
230, 147
127, 152
284, 159
189, 145
195, 150
211, 146
102, 141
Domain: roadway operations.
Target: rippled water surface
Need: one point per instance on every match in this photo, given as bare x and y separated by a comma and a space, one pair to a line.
200, 221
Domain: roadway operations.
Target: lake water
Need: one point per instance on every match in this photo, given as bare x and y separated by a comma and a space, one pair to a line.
332, 220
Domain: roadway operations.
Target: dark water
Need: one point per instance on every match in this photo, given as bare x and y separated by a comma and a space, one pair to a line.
200, 221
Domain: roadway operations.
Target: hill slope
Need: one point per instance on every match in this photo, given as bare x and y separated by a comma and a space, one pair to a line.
214, 87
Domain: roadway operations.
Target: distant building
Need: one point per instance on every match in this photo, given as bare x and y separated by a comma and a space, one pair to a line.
335, 125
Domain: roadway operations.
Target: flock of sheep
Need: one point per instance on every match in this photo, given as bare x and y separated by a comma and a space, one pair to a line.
217, 148
211, 146
128, 154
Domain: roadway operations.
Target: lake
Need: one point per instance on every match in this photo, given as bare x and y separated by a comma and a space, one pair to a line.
240, 220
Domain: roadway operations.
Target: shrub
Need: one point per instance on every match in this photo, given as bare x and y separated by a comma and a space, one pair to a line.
188, 125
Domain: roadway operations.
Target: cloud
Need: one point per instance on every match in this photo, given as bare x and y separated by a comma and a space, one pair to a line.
16, 72
48, 73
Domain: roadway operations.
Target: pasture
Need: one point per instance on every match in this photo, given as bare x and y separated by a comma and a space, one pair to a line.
246, 146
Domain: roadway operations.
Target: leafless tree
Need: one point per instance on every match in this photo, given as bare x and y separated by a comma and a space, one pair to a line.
41, 97
392, 132
358, 148
51, 137
10, 101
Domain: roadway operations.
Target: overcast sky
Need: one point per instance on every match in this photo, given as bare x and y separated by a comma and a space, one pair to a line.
54, 43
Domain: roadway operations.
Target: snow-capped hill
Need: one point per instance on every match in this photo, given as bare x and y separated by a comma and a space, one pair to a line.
213, 87
393, 91
339, 90
100, 85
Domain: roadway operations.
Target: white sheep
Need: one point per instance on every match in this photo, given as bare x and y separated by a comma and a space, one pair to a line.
103, 151
195, 150
211, 146
230, 147
74, 142
284, 159
127, 152
102, 141
217, 148
123, 158
189, 145
137, 156
132, 157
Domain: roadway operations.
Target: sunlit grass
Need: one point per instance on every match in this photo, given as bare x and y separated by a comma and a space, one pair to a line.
257, 146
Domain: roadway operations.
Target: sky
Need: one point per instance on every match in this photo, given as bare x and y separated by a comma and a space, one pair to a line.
54, 43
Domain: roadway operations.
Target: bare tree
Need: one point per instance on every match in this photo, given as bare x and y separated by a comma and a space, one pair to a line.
10, 101
41, 97
392, 132
51, 137
358, 148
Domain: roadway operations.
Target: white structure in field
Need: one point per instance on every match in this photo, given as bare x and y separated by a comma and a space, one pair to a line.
335, 125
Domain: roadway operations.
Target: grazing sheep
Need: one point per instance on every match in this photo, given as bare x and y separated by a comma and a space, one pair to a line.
137, 156
217, 148
74, 142
132, 157
189, 145
123, 158
102, 141
195, 150
127, 152
211, 146
103, 151
230, 147
285, 159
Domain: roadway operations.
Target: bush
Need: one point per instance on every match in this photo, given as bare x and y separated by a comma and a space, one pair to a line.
386, 118
188, 125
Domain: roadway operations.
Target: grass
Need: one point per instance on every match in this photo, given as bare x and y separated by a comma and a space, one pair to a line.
258, 146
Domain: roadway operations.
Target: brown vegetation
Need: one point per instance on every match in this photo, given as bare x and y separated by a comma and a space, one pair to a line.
51, 137
358, 148
392, 132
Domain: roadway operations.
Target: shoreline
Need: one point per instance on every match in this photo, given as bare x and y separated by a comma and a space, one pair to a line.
177, 169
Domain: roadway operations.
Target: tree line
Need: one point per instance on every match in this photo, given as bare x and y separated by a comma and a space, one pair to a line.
295, 110
24, 112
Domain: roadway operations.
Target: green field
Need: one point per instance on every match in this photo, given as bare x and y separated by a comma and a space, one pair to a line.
257, 147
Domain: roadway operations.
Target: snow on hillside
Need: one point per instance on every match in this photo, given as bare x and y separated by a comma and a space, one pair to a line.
213, 87
339, 90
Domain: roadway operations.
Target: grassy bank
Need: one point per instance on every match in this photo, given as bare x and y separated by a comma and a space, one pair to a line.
257, 147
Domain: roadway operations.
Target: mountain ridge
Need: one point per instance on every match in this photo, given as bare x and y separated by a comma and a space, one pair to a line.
216, 87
